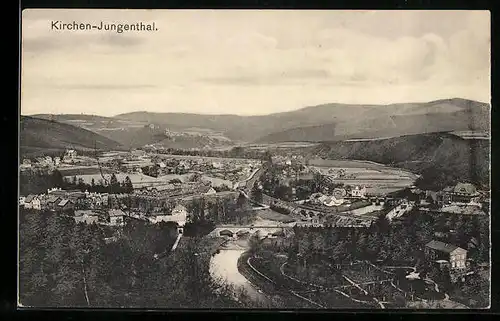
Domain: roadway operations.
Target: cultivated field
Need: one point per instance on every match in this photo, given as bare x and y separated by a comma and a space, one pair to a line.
377, 178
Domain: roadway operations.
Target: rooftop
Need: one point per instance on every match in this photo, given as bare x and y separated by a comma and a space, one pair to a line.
116, 212
29, 198
442, 247
465, 188
63, 202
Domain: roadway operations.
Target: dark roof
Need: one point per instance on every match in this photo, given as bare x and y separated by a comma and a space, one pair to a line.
116, 212
278, 233
441, 246
52, 199
29, 198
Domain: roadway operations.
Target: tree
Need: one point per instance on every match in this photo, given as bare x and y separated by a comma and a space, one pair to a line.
241, 201
74, 181
113, 182
129, 188
256, 193
57, 179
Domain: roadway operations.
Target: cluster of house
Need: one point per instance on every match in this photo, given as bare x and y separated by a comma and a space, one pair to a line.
42, 162
463, 198
288, 159
47, 162
339, 196
57, 199
174, 190
118, 217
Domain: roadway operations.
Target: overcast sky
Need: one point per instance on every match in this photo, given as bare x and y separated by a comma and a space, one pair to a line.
251, 62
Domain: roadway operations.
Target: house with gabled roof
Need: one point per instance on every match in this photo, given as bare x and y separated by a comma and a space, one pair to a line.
52, 201
462, 193
454, 255
33, 202
116, 217
86, 216
65, 205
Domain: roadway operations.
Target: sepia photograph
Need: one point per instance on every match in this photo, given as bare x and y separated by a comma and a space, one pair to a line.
254, 159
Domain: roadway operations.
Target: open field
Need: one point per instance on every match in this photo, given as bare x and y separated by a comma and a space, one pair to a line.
203, 158
318, 162
378, 179
137, 179
82, 170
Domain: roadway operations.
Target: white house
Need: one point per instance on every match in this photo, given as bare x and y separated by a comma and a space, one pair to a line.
333, 201
71, 153
33, 202
116, 217
21, 200
178, 215
86, 216
358, 192
217, 165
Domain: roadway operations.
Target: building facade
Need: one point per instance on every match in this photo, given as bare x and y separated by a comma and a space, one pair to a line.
454, 255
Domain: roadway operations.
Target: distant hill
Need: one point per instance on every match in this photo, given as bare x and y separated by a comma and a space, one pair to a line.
70, 117
334, 121
138, 133
442, 158
41, 134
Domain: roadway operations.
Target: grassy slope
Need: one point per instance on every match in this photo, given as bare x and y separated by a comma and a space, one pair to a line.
441, 158
39, 135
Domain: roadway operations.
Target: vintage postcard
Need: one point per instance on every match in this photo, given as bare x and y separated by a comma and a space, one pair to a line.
215, 159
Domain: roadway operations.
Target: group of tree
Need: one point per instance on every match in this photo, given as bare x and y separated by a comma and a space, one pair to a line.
70, 265
401, 243
112, 186
38, 183
288, 189
225, 210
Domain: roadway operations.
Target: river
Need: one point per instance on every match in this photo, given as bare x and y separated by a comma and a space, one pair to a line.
224, 267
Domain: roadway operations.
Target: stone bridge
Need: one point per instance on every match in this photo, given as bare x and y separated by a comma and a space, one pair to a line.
235, 230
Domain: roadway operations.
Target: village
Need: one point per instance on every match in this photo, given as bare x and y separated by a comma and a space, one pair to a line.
117, 188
